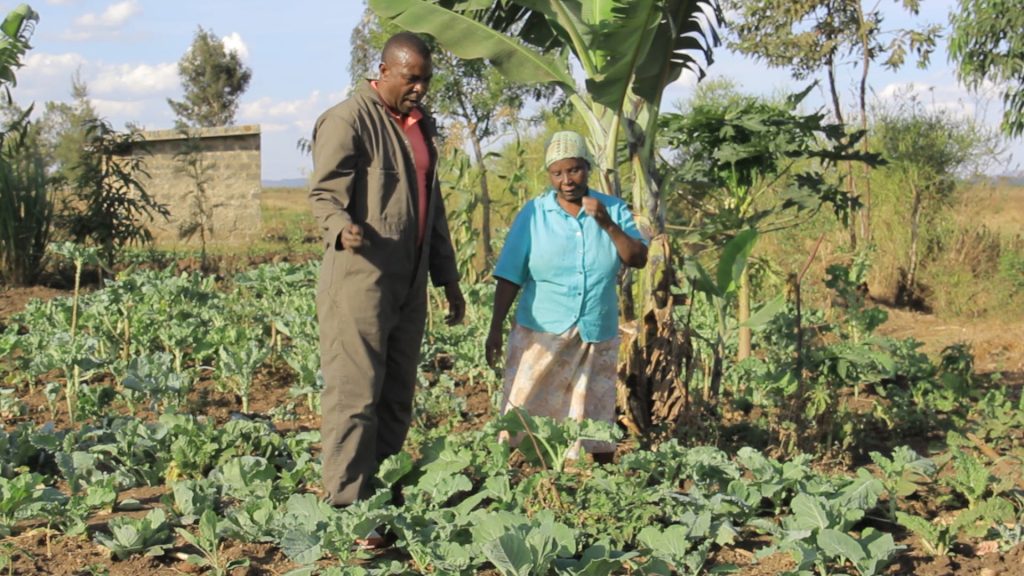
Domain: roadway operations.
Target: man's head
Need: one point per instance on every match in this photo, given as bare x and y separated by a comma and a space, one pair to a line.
405, 72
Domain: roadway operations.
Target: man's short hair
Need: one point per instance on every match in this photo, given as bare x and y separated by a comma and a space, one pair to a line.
404, 41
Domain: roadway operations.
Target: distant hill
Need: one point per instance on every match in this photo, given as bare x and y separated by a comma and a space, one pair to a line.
286, 183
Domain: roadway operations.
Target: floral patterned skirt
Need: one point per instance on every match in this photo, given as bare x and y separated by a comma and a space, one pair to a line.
561, 376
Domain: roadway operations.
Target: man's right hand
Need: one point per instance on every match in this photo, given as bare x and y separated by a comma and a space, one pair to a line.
352, 237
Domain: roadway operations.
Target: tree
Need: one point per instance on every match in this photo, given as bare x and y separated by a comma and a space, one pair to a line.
629, 53
478, 103
987, 45
927, 151
62, 131
762, 167
26, 205
193, 165
809, 36
213, 78
108, 205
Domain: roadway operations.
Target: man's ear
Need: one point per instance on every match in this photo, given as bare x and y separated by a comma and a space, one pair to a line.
382, 70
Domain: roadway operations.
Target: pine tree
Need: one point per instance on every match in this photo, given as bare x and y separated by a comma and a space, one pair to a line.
213, 78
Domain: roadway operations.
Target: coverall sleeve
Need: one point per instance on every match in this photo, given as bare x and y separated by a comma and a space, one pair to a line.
332, 184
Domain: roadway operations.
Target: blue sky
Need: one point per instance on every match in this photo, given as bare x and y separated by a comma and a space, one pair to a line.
127, 52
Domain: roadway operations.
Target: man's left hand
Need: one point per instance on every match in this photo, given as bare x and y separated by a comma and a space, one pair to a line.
456, 304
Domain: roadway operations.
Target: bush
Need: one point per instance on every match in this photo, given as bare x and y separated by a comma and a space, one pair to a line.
26, 207
108, 206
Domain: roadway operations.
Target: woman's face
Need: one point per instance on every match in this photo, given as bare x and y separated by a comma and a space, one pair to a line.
569, 178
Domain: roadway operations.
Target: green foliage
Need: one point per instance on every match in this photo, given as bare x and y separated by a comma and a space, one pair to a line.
63, 133
745, 161
939, 536
869, 554
813, 36
194, 165
904, 474
151, 378
190, 498
213, 78
23, 497
240, 352
108, 205
848, 281
26, 205
660, 509
15, 32
972, 479
549, 443
208, 542
987, 45
149, 535
100, 495
928, 152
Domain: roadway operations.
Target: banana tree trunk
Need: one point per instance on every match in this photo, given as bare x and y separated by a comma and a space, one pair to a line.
743, 315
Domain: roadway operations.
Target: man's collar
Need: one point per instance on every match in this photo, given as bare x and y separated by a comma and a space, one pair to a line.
415, 114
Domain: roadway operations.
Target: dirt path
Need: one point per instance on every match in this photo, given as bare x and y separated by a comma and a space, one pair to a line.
13, 300
997, 344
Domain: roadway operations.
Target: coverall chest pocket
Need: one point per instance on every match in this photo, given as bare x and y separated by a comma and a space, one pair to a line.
388, 205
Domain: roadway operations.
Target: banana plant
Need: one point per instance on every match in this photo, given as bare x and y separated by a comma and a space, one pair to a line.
15, 32
628, 51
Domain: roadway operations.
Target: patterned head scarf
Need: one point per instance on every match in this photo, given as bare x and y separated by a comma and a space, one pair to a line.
566, 144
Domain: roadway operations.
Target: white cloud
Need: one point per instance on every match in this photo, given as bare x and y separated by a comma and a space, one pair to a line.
233, 43
135, 79
270, 128
948, 98
292, 113
38, 66
114, 16
118, 109
50, 76
91, 24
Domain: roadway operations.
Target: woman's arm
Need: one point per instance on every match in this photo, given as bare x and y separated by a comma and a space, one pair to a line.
504, 295
631, 251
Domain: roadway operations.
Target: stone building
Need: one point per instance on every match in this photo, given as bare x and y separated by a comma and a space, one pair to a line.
230, 168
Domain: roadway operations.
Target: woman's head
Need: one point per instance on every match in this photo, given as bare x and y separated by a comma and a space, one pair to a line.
568, 165
566, 144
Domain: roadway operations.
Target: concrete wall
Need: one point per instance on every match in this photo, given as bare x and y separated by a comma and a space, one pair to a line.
231, 160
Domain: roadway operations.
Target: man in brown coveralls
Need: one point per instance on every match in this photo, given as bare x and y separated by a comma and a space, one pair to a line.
375, 194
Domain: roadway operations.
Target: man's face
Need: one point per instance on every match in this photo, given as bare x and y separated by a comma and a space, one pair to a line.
404, 80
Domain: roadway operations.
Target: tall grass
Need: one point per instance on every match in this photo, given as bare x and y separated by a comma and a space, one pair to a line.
26, 208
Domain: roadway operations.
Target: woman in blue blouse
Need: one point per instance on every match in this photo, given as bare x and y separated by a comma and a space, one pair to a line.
562, 258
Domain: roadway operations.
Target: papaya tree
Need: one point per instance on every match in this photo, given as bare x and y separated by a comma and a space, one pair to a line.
754, 166
628, 53
810, 37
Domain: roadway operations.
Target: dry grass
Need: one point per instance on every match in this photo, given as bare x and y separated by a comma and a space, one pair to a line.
998, 206
286, 223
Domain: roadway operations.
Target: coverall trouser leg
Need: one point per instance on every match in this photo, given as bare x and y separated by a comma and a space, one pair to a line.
370, 351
